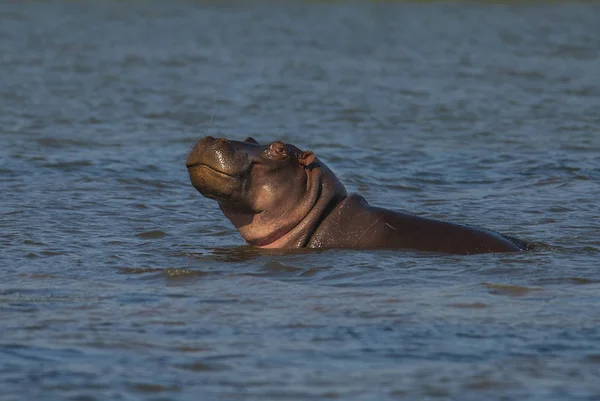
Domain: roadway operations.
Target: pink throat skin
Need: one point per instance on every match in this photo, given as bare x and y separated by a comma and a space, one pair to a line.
307, 214
278, 239
282, 242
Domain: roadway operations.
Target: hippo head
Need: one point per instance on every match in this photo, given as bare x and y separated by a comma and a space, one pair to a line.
246, 175
265, 190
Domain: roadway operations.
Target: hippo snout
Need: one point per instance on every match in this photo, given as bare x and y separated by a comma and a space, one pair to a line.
201, 151
222, 155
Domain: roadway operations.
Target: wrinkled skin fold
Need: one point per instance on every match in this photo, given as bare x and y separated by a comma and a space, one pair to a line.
278, 196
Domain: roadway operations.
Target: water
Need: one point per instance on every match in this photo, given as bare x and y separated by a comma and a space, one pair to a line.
120, 282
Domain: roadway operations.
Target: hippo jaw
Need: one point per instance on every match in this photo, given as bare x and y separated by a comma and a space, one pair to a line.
218, 167
214, 184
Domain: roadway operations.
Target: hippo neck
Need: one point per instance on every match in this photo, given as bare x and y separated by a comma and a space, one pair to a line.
330, 192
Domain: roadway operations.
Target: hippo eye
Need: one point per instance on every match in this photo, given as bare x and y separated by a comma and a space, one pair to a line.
278, 150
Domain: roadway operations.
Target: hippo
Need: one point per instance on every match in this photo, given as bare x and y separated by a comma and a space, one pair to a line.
278, 196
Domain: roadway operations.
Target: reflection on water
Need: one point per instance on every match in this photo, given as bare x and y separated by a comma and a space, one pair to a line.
120, 281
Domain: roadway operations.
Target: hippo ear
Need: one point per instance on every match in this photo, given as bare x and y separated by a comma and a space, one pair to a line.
251, 140
306, 158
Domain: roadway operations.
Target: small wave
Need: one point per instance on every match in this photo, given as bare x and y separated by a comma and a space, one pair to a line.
153, 388
593, 358
246, 253
12, 212
575, 250
474, 305
200, 366
568, 280
31, 242
59, 143
69, 165
510, 290
140, 181
139, 270
38, 276
529, 74
154, 234
170, 272
406, 188
180, 272
43, 253
276, 267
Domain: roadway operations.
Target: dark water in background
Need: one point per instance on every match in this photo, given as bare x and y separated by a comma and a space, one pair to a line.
120, 282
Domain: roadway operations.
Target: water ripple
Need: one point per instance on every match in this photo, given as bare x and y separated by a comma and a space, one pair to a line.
120, 281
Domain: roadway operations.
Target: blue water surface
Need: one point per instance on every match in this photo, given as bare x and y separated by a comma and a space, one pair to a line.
120, 282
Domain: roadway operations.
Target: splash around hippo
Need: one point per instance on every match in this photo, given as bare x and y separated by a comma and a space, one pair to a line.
278, 196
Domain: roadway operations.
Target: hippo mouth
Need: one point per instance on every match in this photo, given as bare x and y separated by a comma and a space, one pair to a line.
214, 183
211, 169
